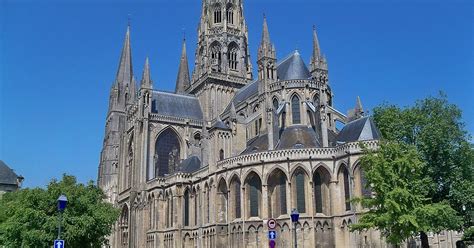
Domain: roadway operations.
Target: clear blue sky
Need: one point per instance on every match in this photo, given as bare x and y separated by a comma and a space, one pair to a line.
58, 60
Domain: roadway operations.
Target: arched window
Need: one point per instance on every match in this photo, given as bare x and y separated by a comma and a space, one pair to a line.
124, 226
230, 14
321, 190
216, 56
167, 153
346, 188
277, 193
300, 190
186, 208
254, 195
295, 109
129, 164
236, 194
222, 202
217, 14
232, 56
275, 104
221, 154
208, 204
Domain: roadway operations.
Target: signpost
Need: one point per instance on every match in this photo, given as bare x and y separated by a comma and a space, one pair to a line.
58, 243
272, 234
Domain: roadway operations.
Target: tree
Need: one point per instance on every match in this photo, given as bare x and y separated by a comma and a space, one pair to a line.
29, 217
399, 207
434, 127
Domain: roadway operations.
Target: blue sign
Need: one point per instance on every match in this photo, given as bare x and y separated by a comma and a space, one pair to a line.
59, 243
272, 235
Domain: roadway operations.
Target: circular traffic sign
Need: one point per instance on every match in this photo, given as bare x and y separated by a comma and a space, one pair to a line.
272, 243
271, 223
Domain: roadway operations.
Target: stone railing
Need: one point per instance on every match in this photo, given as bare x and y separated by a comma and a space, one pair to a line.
174, 119
295, 154
300, 83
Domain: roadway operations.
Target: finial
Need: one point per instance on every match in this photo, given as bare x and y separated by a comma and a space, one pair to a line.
184, 33
314, 27
129, 19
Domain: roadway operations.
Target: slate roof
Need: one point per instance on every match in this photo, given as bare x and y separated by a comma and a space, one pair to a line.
257, 144
219, 124
190, 164
358, 130
299, 136
7, 175
292, 67
183, 106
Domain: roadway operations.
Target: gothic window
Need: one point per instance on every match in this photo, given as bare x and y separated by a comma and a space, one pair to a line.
346, 189
236, 194
232, 56
167, 153
277, 193
208, 203
222, 202
129, 164
124, 226
197, 137
300, 190
321, 190
217, 14
221, 154
216, 56
168, 210
254, 195
295, 109
230, 15
171, 216
186, 208
275, 104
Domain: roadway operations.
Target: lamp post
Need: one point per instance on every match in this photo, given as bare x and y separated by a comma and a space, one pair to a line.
62, 202
294, 218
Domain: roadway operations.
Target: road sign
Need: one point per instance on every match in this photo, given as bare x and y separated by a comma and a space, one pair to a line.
59, 243
272, 243
271, 223
272, 235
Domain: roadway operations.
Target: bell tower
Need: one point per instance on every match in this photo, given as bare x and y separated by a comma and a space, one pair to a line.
222, 62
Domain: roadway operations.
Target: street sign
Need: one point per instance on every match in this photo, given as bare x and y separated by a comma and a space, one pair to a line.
272, 235
272, 243
271, 223
59, 243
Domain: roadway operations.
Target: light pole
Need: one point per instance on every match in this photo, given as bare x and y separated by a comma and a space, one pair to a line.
62, 202
294, 218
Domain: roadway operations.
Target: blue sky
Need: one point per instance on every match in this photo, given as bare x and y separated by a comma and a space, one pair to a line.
58, 60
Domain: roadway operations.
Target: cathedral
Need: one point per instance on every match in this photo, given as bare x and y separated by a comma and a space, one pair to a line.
209, 164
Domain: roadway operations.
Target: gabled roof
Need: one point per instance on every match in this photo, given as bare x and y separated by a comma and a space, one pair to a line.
359, 130
183, 106
292, 67
7, 175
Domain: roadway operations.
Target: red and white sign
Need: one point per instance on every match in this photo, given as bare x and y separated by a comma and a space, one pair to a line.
271, 223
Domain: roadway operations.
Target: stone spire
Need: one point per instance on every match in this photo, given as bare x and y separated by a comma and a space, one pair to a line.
266, 55
146, 82
265, 33
183, 81
125, 69
359, 110
316, 49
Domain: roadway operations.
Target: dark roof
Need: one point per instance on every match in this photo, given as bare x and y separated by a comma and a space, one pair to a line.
299, 136
7, 175
243, 94
292, 67
190, 164
257, 144
358, 130
169, 104
219, 124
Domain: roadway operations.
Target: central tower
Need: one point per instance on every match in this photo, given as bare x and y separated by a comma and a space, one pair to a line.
222, 62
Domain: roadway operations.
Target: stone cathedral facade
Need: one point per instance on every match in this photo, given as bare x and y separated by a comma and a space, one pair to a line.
209, 164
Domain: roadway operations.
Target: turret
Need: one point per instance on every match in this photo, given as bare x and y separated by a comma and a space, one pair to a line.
319, 67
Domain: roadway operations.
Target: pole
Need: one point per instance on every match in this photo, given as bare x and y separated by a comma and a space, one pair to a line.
59, 225
296, 241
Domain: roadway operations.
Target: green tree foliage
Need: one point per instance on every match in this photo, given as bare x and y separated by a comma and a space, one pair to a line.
435, 127
29, 217
400, 208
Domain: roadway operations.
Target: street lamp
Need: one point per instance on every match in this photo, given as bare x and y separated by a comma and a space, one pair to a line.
62, 202
294, 218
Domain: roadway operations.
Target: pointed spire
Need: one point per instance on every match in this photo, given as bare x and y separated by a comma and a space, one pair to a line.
146, 76
233, 112
265, 33
183, 81
359, 110
316, 49
125, 70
